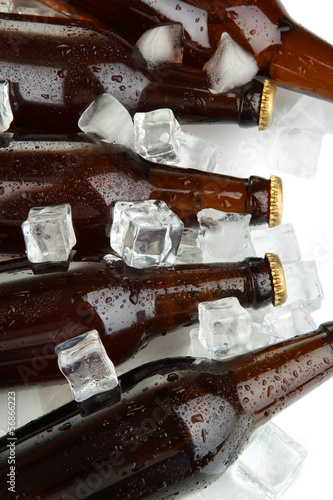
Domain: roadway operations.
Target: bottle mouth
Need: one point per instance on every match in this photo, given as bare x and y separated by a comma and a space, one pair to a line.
267, 105
279, 280
275, 201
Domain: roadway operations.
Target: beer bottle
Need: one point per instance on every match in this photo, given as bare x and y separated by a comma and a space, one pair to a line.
127, 306
180, 424
284, 50
92, 175
49, 93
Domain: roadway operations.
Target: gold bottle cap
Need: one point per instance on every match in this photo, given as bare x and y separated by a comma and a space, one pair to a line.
267, 105
279, 280
275, 201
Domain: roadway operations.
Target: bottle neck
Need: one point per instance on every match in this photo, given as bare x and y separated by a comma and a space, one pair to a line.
271, 378
304, 62
186, 194
186, 93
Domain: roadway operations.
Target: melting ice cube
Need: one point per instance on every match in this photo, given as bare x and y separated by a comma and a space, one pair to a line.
271, 462
109, 120
145, 233
290, 320
162, 45
223, 235
230, 67
155, 136
48, 233
280, 240
86, 365
297, 151
303, 283
224, 326
196, 152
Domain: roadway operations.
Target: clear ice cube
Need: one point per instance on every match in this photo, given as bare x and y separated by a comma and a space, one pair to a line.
196, 153
86, 365
49, 234
230, 67
6, 114
280, 240
145, 233
224, 327
162, 45
155, 136
198, 350
224, 236
290, 320
297, 151
303, 283
271, 462
109, 120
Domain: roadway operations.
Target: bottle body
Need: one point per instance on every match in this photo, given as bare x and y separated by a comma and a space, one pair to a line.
127, 306
91, 176
180, 424
284, 51
82, 64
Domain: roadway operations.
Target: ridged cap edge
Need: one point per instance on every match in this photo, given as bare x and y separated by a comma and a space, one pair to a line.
276, 201
267, 105
279, 280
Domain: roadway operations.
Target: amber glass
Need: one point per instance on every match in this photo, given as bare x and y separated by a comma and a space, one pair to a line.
180, 424
56, 69
284, 50
127, 306
91, 176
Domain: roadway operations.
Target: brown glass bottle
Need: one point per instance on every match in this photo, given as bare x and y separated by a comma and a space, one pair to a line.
180, 424
284, 50
51, 92
127, 306
92, 175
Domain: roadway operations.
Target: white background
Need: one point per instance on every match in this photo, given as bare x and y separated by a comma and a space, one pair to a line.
308, 206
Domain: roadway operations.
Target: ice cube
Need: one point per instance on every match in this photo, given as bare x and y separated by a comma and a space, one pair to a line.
155, 136
198, 350
271, 462
7, 6
224, 236
297, 151
280, 240
84, 362
48, 233
230, 67
145, 233
196, 152
224, 327
6, 114
290, 320
162, 45
303, 283
109, 120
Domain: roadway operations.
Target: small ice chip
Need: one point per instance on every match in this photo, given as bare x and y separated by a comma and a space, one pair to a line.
145, 233
271, 462
6, 114
109, 120
162, 45
155, 136
48, 233
84, 362
230, 67
223, 235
